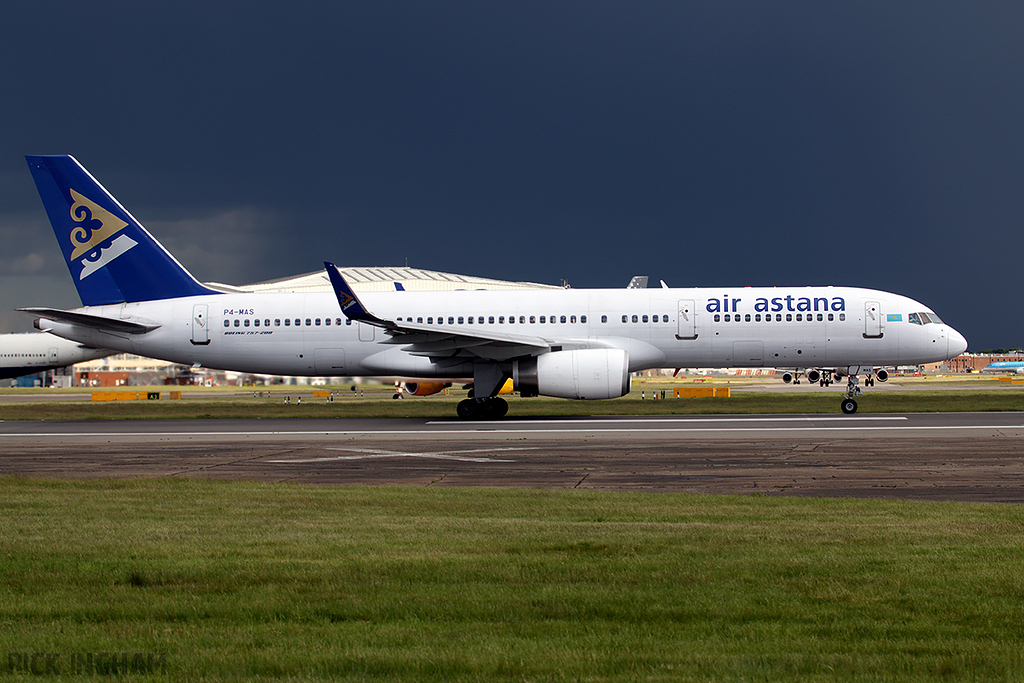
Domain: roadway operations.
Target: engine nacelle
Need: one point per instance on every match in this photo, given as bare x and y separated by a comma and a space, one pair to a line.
882, 375
425, 388
581, 374
813, 376
787, 377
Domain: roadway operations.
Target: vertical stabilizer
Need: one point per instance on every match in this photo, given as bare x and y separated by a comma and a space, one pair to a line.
112, 258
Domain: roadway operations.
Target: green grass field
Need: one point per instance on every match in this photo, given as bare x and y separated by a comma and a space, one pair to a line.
243, 581
236, 402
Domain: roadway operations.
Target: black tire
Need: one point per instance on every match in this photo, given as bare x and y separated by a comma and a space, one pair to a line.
466, 409
496, 408
848, 406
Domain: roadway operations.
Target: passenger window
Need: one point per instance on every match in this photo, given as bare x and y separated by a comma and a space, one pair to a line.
842, 317
747, 317
307, 322
337, 321
799, 317
348, 321
635, 319
583, 319
287, 322
501, 320
820, 317
227, 323
277, 322
644, 318
778, 317
532, 319
718, 318
664, 318
789, 317
831, 317
625, 319
256, 322
727, 318
562, 319
419, 320
604, 319
542, 320
460, 319
237, 322
757, 317
469, 320
430, 321
490, 320
551, 320
451, 320
245, 323
315, 322
480, 320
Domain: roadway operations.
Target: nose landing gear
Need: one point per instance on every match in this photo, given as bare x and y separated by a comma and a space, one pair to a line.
849, 405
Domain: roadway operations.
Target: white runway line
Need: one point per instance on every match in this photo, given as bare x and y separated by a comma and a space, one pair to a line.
472, 429
623, 420
368, 453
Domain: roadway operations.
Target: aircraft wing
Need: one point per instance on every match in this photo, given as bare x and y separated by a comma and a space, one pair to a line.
435, 341
97, 322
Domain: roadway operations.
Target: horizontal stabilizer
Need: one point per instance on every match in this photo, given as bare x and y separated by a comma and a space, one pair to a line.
96, 322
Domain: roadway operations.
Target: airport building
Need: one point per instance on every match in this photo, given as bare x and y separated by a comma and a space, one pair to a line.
973, 362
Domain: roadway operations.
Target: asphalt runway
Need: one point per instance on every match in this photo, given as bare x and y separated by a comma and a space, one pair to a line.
948, 456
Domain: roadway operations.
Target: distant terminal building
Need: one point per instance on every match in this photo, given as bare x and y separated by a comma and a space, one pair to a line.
973, 362
147, 371
382, 279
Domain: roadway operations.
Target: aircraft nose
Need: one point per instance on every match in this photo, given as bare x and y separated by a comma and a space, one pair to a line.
955, 343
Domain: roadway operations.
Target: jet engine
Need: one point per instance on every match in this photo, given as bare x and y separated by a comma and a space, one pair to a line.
580, 374
882, 375
787, 377
425, 388
813, 376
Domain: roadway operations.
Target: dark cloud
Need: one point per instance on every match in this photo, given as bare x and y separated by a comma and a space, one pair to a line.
733, 143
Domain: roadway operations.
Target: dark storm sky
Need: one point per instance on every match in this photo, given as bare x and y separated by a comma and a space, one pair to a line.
876, 144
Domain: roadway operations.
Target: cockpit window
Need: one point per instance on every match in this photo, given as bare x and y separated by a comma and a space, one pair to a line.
924, 318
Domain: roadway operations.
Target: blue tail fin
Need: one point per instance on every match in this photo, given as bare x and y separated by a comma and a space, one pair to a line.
112, 258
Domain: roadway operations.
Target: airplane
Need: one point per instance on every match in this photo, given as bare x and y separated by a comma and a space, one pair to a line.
32, 352
567, 343
1005, 366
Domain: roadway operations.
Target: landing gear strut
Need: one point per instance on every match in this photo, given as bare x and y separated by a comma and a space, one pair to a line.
849, 405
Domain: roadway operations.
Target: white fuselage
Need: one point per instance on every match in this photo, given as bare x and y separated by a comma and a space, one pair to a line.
24, 354
658, 328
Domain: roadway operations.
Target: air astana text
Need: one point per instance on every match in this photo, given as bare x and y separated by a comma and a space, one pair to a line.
779, 303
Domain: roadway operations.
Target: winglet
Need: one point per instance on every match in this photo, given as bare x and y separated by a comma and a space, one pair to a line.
350, 304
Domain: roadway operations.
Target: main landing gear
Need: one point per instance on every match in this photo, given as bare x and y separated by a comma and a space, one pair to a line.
482, 409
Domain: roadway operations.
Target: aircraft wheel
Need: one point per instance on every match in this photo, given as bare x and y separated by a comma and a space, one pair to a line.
496, 408
397, 396
466, 409
821, 382
849, 406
